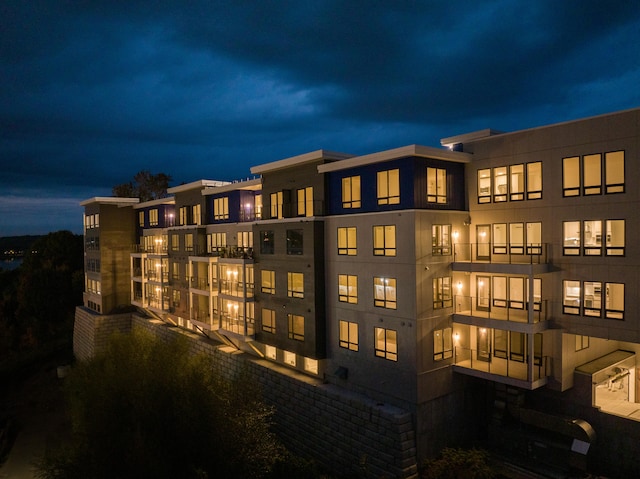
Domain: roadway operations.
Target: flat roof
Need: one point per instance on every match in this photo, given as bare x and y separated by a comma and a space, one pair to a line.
467, 137
110, 200
169, 200
402, 152
196, 184
299, 160
253, 184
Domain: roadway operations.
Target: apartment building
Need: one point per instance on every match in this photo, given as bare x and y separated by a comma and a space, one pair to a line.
472, 284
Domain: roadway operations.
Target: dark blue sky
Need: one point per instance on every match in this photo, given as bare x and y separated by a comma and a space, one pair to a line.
92, 92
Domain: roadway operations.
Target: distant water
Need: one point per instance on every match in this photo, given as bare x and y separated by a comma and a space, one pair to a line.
7, 264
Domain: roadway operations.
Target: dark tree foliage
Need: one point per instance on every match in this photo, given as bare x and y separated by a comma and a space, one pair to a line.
146, 408
49, 288
145, 186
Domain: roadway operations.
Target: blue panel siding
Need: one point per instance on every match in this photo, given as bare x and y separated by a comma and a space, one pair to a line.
241, 206
166, 216
413, 186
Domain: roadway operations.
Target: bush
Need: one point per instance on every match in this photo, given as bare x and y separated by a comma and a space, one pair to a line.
145, 408
458, 464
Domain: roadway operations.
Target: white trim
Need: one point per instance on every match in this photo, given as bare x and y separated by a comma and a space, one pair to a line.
299, 160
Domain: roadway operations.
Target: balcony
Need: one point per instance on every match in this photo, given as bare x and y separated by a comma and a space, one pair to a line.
501, 310
515, 372
500, 253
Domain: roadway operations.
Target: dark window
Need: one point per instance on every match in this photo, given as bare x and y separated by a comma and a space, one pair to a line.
266, 242
294, 241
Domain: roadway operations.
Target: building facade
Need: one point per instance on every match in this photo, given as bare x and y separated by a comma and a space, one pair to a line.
473, 285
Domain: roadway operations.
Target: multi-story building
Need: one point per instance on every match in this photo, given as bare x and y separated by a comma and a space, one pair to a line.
472, 285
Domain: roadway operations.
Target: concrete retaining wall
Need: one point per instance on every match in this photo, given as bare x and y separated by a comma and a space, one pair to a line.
347, 433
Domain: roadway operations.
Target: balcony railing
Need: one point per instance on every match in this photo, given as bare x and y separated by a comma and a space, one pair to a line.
534, 253
150, 249
235, 252
237, 325
200, 283
503, 310
517, 369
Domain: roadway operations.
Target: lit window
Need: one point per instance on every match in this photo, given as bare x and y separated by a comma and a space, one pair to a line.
270, 353
571, 238
534, 238
245, 239
614, 301
500, 343
436, 185
268, 320
277, 201
571, 176
386, 344
389, 187
484, 186
349, 335
592, 298
500, 188
140, 219
442, 293
571, 297
347, 241
516, 238
384, 240
290, 358
384, 292
582, 342
500, 238
294, 241
351, 192
295, 285
216, 242
266, 242
442, 344
516, 346
257, 203
175, 242
296, 327
348, 288
614, 172
516, 185
311, 365
268, 281
153, 217
441, 239
592, 173
305, 201
188, 242
592, 237
221, 208
615, 238
534, 181
196, 217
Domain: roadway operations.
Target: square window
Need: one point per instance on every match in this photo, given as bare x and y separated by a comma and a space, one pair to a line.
384, 292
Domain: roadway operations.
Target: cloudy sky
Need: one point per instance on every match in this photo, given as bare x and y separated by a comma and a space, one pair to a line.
93, 91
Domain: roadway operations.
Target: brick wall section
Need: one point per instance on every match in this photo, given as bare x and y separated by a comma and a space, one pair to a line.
91, 331
347, 433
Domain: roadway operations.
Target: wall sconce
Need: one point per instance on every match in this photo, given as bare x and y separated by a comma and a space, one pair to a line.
456, 336
459, 286
455, 235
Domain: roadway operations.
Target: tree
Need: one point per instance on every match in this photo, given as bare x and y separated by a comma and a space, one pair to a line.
145, 186
147, 408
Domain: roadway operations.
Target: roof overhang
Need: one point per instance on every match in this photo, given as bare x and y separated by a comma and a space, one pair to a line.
299, 160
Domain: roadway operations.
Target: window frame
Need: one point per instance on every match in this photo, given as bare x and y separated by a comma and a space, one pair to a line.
436, 185
267, 242
441, 239
348, 283
296, 325
295, 241
348, 335
442, 292
388, 187
268, 326
385, 292
389, 245
351, 192
344, 245
295, 285
268, 286
442, 344
386, 344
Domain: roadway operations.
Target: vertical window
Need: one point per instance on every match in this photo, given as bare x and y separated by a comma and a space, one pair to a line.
277, 200
295, 285
294, 241
501, 343
305, 201
140, 219
183, 216
257, 204
500, 238
614, 301
516, 292
484, 186
268, 320
196, 217
537, 293
296, 327
500, 291
516, 238
592, 237
175, 271
348, 288
347, 241
582, 342
268, 281
351, 192
441, 239
571, 238
384, 240
389, 187
266, 242
517, 347
571, 297
614, 172
592, 172
516, 183
221, 208
615, 238
153, 217
500, 189
442, 344
534, 180
442, 293
188, 242
384, 292
592, 298
436, 185
386, 344
348, 335
571, 176
216, 242
534, 238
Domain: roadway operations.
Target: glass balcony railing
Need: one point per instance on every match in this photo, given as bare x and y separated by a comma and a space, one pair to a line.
533, 253
502, 366
503, 310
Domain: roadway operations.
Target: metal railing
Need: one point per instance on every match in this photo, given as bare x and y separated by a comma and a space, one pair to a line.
503, 310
